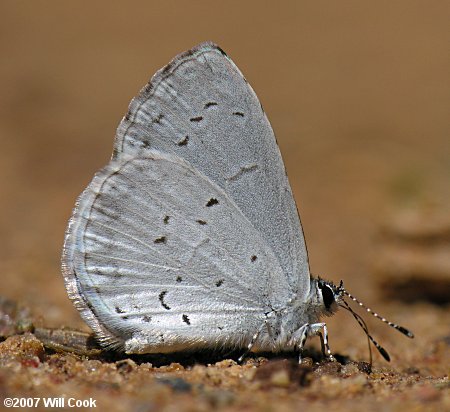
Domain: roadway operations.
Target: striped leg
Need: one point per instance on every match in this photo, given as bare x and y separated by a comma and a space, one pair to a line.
253, 341
299, 338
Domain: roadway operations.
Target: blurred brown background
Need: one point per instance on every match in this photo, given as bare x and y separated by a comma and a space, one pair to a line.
357, 93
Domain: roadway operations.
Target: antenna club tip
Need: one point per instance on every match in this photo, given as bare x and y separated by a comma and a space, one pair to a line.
406, 332
384, 353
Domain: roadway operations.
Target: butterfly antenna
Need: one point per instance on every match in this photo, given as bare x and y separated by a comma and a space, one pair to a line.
401, 329
364, 327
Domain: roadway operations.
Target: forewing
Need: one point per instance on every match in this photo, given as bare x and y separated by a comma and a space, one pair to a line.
201, 108
156, 247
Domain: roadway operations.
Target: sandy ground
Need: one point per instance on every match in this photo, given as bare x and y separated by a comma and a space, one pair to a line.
358, 96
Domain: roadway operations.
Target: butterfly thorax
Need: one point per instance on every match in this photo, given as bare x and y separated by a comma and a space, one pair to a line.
322, 300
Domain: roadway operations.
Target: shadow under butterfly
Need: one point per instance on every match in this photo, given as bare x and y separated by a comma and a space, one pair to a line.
190, 237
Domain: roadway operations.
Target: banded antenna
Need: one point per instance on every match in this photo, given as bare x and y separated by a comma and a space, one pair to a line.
363, 325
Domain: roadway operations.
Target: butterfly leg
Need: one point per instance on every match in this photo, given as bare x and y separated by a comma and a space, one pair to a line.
253, 341
299, 338
324, 343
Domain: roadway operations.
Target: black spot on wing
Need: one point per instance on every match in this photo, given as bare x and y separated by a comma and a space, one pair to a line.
146, 318
240, 114
196, 119
253, 258
161, 299
210, 104
186, 319
179, 279
161, 239
212, 202
201, 222
118, 310
166, 219
219, 283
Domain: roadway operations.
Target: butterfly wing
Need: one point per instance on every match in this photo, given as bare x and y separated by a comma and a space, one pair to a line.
201, 108
159, 258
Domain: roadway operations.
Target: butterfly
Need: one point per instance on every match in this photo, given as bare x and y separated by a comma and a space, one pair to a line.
190, 237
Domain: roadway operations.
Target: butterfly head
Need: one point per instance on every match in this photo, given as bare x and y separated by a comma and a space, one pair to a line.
330, 296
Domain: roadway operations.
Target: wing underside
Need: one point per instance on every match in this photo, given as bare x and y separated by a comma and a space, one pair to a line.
156, 249
201, 108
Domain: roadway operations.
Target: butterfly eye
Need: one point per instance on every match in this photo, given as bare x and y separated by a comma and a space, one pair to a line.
328, 296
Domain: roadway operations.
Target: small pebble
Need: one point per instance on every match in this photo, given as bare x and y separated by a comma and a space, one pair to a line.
280, 378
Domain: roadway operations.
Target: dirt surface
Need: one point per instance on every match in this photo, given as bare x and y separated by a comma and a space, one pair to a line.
358, 95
